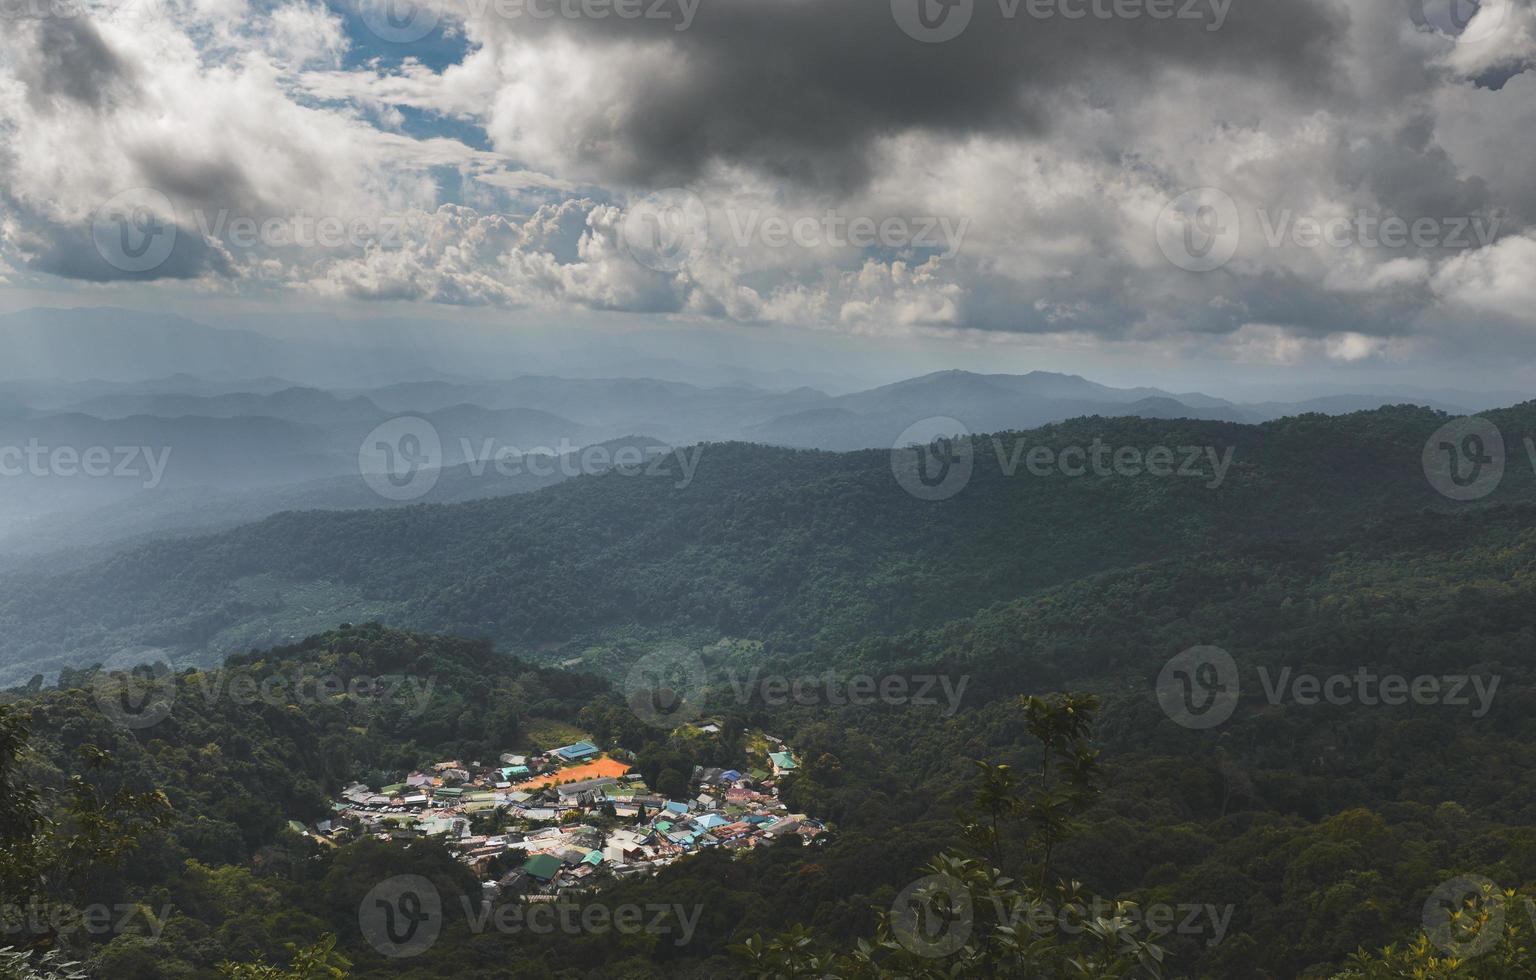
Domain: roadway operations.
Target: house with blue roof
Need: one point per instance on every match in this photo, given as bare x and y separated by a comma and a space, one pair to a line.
577, 751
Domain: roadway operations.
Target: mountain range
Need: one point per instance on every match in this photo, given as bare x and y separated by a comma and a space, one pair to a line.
245, 442
800, 545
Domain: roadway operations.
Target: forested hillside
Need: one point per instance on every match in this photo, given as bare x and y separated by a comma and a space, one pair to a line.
1301, 831
796, 547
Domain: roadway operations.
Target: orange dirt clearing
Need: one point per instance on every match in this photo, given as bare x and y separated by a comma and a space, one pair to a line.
596, 769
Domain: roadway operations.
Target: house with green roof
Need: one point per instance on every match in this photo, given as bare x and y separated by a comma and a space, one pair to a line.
544, 867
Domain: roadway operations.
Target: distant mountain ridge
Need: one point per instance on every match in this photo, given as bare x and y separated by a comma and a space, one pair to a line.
294, 404
245, 435
803, 546
982, 403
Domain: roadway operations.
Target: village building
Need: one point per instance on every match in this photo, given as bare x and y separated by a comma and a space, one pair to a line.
559, 817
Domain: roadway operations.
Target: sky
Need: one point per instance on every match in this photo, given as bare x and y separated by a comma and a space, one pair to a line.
1207, 191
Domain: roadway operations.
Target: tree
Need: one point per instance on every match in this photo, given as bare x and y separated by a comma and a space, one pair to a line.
20, 965
52, 855
317, 962
967, 916
1488, 936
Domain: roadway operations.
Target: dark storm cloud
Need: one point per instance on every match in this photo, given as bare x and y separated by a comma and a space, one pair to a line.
1305, 306
1409, 174
72, 254
71, 250
217, 183
802, 87
67, 59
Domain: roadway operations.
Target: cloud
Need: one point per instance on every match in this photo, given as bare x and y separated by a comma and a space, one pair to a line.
1497, 42
1048, 148
1494, 280
66, 59
1266, 343
804, 89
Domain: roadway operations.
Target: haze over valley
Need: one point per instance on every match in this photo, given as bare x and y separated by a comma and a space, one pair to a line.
767, 489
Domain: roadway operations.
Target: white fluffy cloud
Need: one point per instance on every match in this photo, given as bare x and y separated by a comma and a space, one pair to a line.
1030, 203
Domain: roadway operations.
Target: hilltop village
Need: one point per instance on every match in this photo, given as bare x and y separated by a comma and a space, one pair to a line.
535, 825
